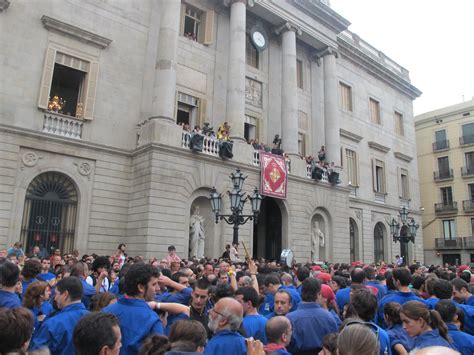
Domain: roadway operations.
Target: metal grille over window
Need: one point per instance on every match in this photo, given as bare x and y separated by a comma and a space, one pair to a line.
49, 216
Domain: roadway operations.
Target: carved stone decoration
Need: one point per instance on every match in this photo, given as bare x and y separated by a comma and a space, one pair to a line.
84, 169
358, 214
374, 216
253, 92
4, 5
30, 158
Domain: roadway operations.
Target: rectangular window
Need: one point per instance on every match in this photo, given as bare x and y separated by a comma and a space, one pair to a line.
68, 84
250, 128
299, 73
441, 141
379, 176
192, 23
346, 96
470, 163
374, 111
447, 196
197, 25
449, 229
399, 128
405, 192
251, 53
351, 167
472, 227
301, 144
471, 191
187, 110
468, 133
443, 168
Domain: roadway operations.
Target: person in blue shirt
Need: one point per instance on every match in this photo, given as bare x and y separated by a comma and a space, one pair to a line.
424, 325
272, 285
36, 299
402, 279
225, 319
370, 276
179, 286
400, 342
80, 270
463, 342
254, 323
278, 330
282, 304
343, 295
363, 305
97, 333
56, 332
10, 275
310, 322
16, 250
46, 274
461, 292
30, 271
137, 318
16, 327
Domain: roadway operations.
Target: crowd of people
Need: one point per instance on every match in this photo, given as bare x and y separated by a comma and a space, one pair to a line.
95, 304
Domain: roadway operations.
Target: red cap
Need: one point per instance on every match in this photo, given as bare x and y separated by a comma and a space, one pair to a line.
463, 267
327, 292
316, 268
324, 277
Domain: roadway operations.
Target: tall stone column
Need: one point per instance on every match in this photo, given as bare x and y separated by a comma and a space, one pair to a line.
235, 105
164, 94
289, 92
331, 117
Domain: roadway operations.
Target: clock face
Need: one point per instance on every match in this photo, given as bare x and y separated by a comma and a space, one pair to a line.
258, 39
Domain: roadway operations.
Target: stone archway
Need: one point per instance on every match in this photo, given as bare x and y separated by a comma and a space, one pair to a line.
268, 232
353, 240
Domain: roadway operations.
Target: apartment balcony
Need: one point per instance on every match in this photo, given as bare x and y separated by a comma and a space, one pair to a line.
466, 140
467, 171
443, 208
443, 175
62, 125
468, 206
442, 243
468, 242
439, 146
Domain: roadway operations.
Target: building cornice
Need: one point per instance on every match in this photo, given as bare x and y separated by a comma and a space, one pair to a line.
376, 64
76, 32
323, 14
404, 157
378, 146
394, 208
350, 135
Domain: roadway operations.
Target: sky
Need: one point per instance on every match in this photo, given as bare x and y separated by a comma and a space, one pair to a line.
432, 39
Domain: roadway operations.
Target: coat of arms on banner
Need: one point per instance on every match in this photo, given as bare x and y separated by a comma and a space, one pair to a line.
274, 175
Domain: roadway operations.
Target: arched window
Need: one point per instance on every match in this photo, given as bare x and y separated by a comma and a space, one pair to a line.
378, 242
353, 240
49, 216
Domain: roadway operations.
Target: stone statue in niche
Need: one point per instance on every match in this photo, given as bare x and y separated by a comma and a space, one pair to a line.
317, 242
197, 235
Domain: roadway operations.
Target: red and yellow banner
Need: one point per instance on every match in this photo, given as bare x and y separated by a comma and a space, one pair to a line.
274, 175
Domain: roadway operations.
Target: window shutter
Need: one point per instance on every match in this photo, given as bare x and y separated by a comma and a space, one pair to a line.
384, 179
400, 182
91, 90
181, 24
48, 70
209, 27
374, 175
356, 167
202, 112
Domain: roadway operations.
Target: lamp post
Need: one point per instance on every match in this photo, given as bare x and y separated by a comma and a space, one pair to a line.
237, 203
403, 231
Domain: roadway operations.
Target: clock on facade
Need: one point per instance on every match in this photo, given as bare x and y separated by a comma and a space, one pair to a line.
258, 38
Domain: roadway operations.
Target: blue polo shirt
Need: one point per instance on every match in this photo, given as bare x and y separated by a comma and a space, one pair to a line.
398, 335
137, 321
463, 342
382, 290
469, 301
398, 297
254, 325
46, 277
430, 338
9, 300
268, 304
383, 338
88, 292
182, 297
226, 342
25, 284
56, 332
343, 296
310, 324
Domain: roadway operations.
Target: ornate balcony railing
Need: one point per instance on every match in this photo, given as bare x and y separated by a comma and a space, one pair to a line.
443, 175
441, 145
467, 171
468, 205
256, 160
442, 243
468, 242
61, 125
446, 208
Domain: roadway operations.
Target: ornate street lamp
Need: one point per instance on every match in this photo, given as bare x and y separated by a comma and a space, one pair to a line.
237, 203
403, 231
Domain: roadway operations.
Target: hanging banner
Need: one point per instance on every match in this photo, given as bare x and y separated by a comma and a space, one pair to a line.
274, 175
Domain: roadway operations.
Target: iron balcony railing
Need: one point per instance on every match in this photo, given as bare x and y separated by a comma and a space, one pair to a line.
442, 243
467, 171
443, 174
441, 145
467, 139
468, 242
446, 207
468, 205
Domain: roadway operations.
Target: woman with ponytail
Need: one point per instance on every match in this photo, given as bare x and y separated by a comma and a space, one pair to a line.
425, 326
400, 342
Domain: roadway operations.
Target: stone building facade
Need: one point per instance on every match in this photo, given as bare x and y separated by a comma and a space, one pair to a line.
446, 168
92, 156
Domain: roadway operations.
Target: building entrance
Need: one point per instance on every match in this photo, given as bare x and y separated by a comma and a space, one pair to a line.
267, 233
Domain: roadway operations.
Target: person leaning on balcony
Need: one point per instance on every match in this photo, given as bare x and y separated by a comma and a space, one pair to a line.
223, 132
